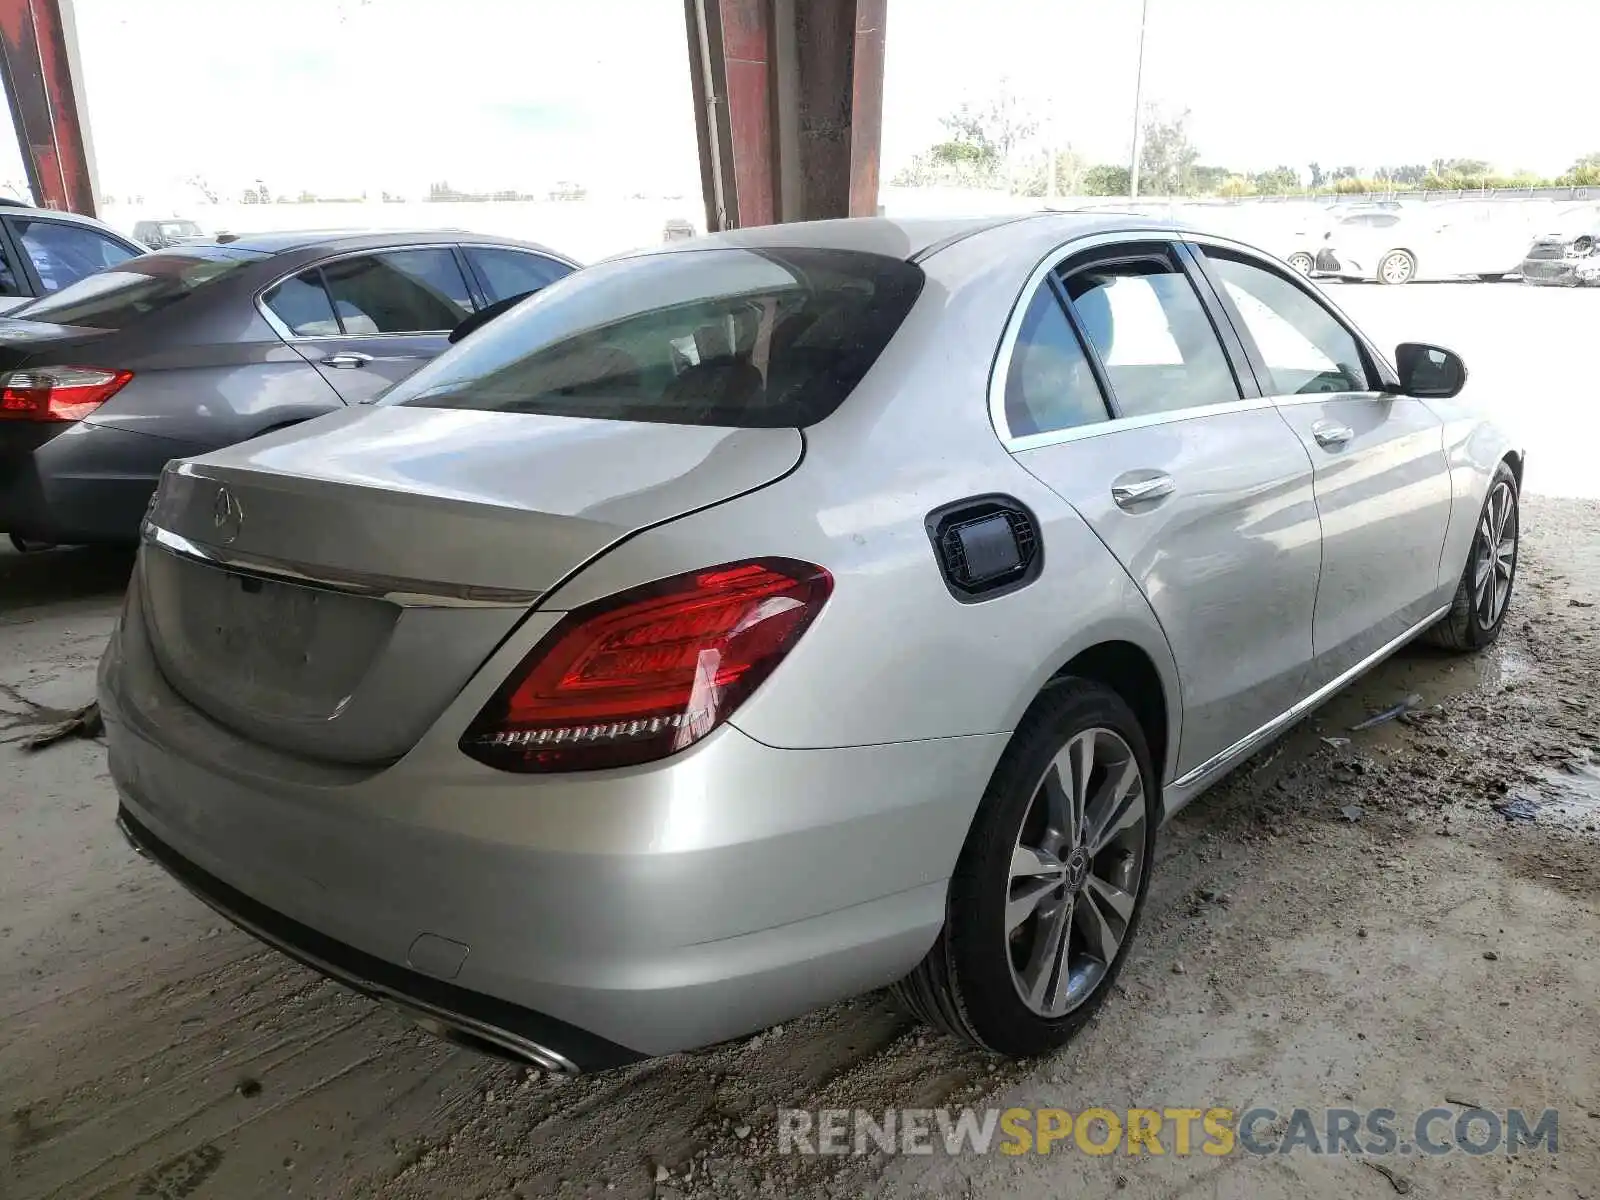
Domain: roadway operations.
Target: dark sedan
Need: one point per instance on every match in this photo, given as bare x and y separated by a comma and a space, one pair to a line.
196, 347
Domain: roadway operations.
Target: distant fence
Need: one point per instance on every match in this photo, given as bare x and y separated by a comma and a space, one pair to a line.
1522, 193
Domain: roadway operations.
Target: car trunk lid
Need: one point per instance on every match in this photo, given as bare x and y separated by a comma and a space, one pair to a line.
328, 589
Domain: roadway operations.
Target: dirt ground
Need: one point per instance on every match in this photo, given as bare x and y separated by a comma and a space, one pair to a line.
1337, 925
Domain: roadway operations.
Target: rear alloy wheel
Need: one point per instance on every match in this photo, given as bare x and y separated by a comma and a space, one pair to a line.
1396, 267
1302, 262
1047, 893
1484, 593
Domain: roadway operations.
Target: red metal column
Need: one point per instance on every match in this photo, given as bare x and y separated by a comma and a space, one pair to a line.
35, 61
788, 107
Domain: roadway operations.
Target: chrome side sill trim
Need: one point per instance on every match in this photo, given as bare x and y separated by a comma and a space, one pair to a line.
1189, 782
408, 593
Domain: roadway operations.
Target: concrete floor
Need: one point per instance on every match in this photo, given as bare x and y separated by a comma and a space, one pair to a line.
146, 1049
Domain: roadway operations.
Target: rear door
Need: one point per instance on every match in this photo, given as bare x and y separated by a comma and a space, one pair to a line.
1120, 396
1382, 483
368, 320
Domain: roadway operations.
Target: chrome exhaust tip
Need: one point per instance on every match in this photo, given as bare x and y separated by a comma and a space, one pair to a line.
496, 1043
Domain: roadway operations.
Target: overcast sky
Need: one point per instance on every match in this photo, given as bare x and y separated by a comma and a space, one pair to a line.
345, 96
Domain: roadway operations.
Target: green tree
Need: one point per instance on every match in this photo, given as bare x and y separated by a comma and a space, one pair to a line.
1317, 176
1167, 156
1206, 181
1070, 167
1585, 172
982, 150
1277, 181
1105, 180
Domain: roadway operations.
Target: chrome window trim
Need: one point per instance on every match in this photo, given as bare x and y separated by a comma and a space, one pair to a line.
283, 331
1094, 241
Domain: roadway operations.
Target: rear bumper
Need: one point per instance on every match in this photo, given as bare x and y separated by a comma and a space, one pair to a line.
79, 483
480, 1021
602, 915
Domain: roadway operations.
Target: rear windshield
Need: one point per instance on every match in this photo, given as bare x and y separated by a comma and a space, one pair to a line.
763, 337
117, 297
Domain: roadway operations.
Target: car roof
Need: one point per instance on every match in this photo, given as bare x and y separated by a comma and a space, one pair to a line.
338, 240
56, 214
908, 237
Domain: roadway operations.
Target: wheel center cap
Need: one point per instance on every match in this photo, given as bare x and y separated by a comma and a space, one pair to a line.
1076, 870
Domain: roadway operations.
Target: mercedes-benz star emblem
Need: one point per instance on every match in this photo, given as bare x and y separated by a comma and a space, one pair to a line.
226, 516
1077, 869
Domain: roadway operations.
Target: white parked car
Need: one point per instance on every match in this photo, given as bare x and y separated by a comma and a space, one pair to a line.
1483, 240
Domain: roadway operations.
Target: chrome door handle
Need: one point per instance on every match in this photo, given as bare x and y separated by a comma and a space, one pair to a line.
1331, 434
1126, 495
348, 358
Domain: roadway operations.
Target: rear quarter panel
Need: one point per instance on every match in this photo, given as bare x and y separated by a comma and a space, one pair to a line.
209, 396
893, 656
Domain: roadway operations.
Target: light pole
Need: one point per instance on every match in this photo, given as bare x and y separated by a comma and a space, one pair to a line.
1138, 98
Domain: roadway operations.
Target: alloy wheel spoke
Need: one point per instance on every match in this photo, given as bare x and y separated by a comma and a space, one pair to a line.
1505, 555
1025, 900
1112, 897
1481, 575
1082, 750
1027, 862
1126, 814
1100, 940
1048, 954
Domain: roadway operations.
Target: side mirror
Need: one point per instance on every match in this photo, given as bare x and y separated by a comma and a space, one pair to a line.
1429, 372
484, 315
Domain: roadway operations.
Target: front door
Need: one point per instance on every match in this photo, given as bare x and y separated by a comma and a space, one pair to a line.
1382, 482
1203, 494
369, 320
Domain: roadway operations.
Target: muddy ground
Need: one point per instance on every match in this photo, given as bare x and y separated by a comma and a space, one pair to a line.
146, 1049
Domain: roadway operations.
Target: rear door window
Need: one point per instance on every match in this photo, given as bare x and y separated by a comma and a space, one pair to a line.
1158, 346
398, 291
507, 273
303, 306
766, 337
64, 253
1050, 385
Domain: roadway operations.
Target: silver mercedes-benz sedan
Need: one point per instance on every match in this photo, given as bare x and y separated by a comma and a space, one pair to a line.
758, 620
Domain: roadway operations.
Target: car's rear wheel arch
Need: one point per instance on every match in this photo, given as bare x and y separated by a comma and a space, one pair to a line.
1129, 671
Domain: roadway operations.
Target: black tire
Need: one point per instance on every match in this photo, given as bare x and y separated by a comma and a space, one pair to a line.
1464, 628
1492, 277
965, 985
1398, 256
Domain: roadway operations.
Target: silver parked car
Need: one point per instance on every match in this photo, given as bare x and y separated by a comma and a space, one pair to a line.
754, 621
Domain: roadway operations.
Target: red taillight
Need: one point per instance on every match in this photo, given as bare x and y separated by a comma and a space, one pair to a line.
57, 393
645, 673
